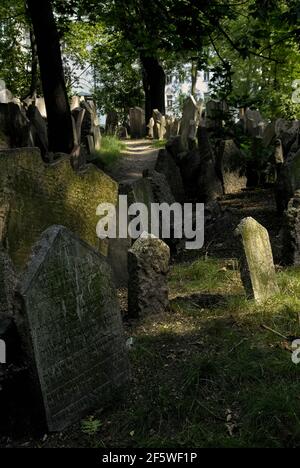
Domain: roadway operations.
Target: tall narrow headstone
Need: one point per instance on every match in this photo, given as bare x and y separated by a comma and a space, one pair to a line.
148, 265
256, 263
137, 122
191, 113
71, 329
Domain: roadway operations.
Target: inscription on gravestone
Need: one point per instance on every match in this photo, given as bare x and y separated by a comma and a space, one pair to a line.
71, 327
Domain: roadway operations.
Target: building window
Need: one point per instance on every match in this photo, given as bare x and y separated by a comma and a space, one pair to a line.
169, 101
206, 76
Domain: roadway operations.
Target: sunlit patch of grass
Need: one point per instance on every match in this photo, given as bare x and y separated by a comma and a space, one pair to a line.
110, 152
204, 275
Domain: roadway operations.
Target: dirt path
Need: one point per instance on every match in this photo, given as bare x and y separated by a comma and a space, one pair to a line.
138, 156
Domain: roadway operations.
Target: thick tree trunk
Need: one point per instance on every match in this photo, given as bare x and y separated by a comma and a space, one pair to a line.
52, 76
154, 82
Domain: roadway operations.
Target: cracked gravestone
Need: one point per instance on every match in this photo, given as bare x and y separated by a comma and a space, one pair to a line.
71, 330
256, 263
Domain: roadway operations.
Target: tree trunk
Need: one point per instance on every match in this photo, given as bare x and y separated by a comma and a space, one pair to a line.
60, 128
34, 65
154, 82
194, 73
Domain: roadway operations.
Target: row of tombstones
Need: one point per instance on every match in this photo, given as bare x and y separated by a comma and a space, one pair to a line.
66, 319
25, 125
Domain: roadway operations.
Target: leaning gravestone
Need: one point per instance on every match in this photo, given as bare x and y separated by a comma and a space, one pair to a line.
148, 265
256, 263
71, 329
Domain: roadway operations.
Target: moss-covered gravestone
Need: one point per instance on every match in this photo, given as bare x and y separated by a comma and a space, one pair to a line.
8, 282
148, 265
70, 325
256, 263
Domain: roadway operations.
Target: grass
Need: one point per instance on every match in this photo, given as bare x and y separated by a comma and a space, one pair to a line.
110, 153
159, 143
210, 376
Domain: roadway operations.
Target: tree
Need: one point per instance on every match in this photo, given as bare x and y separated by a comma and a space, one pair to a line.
60, 130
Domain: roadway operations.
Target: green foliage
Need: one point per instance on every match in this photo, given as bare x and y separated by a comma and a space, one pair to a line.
15, 52
258, 62
90, 426
110, 153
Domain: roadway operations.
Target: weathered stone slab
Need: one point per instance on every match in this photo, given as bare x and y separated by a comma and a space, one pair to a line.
166, 165
40, 133
71, 329
137, 122
15, 126
148, 265
191, 113
40, 195
229, 164
215, 112
209, 185
257, 265
112, 122
288, 181
8, 281
291, 232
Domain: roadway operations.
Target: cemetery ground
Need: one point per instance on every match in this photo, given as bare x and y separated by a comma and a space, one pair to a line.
216, 369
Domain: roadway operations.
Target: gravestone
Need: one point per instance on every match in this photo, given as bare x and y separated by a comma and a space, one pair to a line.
269, 134
8, 281
288, 133
34, 196
166, 165
71, 329
215, 112
288, 181
159, 128
209, 185
191, 112
41, 105
160, 188
137, 122
40, 132
291, 232
75, 102
90, 126
15, 126
112, 122
150, 127
256, 263
148, 266
278, 155
229, 163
